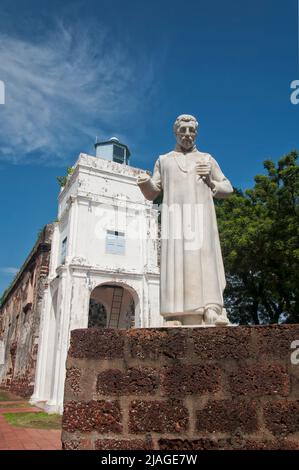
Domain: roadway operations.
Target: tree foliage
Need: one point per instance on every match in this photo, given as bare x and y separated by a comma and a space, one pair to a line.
62, 180
259, 234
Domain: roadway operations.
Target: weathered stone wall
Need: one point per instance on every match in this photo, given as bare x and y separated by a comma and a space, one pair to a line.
182, 388
20, 317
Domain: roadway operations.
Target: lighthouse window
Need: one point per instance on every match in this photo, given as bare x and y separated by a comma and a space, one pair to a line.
115, 242
118, 154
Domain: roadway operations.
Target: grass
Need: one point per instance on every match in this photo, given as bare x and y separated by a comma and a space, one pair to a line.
38, 420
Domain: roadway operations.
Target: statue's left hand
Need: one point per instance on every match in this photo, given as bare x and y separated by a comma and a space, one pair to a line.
204, 171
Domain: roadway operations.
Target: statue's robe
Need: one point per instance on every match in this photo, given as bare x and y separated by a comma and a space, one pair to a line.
192, 273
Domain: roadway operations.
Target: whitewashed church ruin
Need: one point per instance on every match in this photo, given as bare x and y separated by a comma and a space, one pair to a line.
96, 266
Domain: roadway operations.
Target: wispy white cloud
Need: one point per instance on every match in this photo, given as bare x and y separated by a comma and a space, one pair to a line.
64, 89
9, 271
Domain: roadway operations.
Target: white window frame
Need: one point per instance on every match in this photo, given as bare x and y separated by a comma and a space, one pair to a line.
115, 242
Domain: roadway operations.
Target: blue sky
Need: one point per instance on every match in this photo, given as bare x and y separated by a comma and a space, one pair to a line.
76, 70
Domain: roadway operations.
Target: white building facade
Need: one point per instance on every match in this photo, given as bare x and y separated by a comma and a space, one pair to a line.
104, 263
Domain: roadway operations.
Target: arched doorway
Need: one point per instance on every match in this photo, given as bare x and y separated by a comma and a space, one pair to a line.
97, 315
111, 306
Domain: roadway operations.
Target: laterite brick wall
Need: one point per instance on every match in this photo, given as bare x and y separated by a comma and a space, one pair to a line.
182, 388
20, 312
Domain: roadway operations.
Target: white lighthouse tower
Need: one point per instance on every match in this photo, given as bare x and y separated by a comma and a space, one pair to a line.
103, 270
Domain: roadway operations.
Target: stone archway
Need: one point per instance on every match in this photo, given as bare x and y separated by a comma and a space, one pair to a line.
112, 305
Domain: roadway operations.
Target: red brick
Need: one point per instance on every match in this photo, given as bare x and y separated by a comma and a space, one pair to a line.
275, 444
72, 380
77, 444
97, 343
188, 444
228, 343
169, 343
22, 386
158, 416
123, 444
184, 379
259, 380
102, 416
142, 380
134, 381
274, 341
238, 443
227, 416
282, 417
246, 355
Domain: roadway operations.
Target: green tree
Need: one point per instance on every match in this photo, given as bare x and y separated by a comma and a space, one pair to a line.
259, 234
62, 180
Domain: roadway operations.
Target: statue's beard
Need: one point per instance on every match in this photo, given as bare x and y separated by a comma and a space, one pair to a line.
187, 143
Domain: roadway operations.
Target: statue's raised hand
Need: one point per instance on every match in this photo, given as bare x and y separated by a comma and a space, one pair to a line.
203, 169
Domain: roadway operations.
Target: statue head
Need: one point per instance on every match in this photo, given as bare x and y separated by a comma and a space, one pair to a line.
185, 129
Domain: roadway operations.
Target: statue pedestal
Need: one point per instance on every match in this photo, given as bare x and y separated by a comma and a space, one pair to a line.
177, 324
182, 389
201, 317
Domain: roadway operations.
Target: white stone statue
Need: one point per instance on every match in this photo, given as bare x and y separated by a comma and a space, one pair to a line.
192, 273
